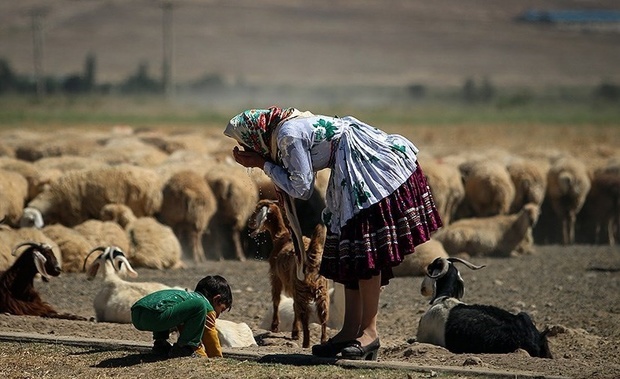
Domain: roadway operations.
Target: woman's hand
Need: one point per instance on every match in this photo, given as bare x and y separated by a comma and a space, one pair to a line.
248, 158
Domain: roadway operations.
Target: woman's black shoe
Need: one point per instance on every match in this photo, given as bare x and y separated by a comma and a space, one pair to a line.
356, 351
330, 348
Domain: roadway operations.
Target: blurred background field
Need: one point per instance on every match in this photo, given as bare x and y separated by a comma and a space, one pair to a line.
394, 62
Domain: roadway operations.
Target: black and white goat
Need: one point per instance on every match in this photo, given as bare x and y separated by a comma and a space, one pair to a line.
472, 328
18, 295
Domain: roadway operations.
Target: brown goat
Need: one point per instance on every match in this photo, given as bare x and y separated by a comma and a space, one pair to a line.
17, 293
267, 217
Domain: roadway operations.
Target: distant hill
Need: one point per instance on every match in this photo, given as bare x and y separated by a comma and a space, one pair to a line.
317, 42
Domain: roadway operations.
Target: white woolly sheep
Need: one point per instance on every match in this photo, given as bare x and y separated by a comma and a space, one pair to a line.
13, 196
446, 186
129, 150
152, 245
73, 246
69, 163
79, 195
472, 328
234, 334
415, 264
236, 196
188, 205
55, 145
568, 184
37, 179
267, 217
599, 218
496, 235
489, 191
104, 233
530, 180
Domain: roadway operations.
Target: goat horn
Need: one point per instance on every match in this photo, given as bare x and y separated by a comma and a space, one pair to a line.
444, 269
98, 248
466, 263
29, 243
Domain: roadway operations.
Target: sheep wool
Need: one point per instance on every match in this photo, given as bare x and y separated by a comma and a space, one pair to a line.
491, 236
78, 196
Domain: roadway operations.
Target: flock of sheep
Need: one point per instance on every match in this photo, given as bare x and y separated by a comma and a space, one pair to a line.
167, 199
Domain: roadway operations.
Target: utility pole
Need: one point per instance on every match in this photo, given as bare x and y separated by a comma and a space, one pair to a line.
168, 49
37, 15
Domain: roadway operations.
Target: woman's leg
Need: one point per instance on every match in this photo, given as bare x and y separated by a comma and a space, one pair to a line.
369, 293
352, 316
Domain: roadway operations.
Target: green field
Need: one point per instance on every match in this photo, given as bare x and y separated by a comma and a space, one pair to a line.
153, 110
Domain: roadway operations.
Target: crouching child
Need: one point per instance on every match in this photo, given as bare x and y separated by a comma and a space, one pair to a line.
193, 313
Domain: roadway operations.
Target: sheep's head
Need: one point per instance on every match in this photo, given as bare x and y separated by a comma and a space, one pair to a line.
31, 217
444, 279
43, 258
110, 254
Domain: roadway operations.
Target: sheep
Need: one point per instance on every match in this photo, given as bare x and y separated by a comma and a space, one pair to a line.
477, 329
568, 185
530, 180
152, 244
69, 163
188, 204
489, 191
128, 150
55, 145
415, 264
6, 150
78, 196
113, 302
233, 334
493, 236
73, 246
267, 217
236, 195
601, 210
13, 196
99, 233
18, 295
446, 185
37, 179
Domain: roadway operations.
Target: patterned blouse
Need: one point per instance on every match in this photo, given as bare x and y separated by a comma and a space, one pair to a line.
367, 164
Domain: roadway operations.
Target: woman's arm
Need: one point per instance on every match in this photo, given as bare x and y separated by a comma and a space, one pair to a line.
297, 176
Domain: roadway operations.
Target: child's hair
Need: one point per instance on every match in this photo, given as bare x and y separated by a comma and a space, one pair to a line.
213, 285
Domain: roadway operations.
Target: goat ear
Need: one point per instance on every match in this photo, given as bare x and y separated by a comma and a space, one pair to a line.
39, 263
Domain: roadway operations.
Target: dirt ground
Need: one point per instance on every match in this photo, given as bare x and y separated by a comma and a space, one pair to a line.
574, 289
